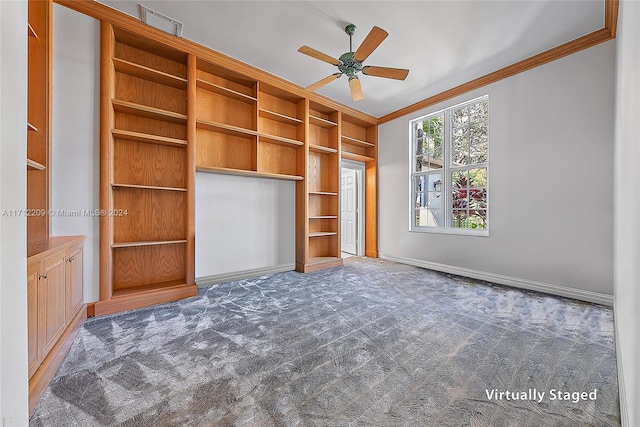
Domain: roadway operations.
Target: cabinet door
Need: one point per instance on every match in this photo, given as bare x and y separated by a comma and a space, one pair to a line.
51, 302
74, 282
32, 316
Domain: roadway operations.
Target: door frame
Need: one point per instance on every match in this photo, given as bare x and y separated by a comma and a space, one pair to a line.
360, 169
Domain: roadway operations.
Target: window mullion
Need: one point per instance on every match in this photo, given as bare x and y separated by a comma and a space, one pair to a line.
446, 208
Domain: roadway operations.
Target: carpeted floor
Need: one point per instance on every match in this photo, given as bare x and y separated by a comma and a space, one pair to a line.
372, 343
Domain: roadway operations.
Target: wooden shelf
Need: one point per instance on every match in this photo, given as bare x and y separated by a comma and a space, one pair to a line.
31, 127
322, 193
324, 217
147, 187
272, 115
322, 233
146, 243
356, 157
243, 172
148, 138
150, 74
33, 165
31, 31
148, 112
319, 121
355, 141
221, 90
280, 140
226, 129
147, 288
322, 149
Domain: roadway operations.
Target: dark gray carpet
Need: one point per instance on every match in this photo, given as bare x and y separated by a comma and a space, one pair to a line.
372, 343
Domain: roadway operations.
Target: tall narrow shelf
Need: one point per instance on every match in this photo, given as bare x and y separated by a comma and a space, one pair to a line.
359, 142
147, 182
38, 119
321, 210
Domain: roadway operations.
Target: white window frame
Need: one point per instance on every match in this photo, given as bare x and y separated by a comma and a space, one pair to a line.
446, 173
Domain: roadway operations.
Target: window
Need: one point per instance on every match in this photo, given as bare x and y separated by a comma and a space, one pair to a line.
449, 165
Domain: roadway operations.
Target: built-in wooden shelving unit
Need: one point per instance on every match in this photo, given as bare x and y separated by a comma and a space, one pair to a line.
359, 142
169, 113
147, 176
319, 244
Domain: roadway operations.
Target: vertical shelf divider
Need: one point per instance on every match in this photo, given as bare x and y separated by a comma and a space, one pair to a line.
190, 171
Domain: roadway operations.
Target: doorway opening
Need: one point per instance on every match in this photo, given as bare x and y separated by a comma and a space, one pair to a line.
352, 208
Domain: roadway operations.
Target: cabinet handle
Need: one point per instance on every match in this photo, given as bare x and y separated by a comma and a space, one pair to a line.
71, 258
42, 276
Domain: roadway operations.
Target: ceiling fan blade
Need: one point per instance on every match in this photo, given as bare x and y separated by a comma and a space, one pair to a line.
370, 43
323, 82
386, 72
356, 88
319, 55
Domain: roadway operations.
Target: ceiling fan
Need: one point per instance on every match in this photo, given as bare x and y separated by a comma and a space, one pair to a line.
350, 63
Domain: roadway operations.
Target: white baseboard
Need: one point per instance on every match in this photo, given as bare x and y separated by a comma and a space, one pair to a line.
244, 274
515, 282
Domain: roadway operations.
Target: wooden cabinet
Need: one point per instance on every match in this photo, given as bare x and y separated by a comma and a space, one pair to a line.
51, 301
147, 175
32, 316
55, 310
73, 280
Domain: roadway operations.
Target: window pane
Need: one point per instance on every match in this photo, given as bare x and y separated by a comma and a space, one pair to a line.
478, 177
420, 183
477, 219
478, 153
460, 156
434, 200
429, 143
429, 218
421, 200
459, 219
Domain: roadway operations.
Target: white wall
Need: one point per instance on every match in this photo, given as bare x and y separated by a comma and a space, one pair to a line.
75, 177
551, 180
13, 229
627, 206
243, 223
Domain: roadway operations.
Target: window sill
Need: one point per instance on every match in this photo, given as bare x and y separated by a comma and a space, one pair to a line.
453, 231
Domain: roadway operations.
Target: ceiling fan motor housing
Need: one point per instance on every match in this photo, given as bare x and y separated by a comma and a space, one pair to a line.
348, 65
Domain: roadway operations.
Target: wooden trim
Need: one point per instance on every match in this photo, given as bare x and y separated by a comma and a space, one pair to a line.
190, 170
611, 16
107, 43
131, 24
145, 299
91, 309
50, 364
371, 199
581, 43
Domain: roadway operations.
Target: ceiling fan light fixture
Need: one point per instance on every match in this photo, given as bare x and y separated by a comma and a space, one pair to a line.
161, 22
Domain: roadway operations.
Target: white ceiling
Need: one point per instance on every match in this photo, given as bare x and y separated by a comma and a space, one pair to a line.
443, 43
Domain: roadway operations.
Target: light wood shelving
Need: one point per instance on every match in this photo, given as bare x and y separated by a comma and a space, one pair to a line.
319, 243
359, 142
32, 164
147, 175
168, 113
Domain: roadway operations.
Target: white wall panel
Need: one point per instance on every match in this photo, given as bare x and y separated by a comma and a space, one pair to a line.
551, 179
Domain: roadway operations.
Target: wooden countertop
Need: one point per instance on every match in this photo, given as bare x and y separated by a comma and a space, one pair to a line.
43, 249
